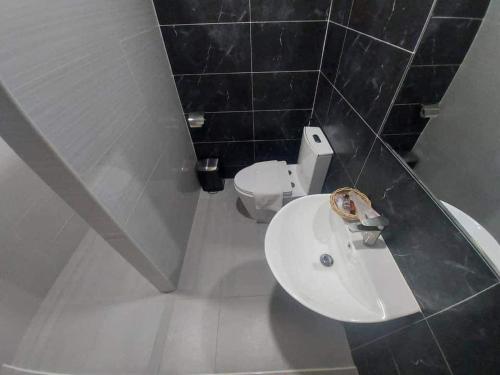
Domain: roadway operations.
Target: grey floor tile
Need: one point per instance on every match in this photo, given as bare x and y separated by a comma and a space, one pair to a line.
191, 339
276, 333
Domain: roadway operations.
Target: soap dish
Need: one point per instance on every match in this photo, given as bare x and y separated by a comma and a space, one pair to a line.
340, 193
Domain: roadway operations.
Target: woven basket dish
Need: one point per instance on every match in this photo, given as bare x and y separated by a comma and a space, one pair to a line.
340, 210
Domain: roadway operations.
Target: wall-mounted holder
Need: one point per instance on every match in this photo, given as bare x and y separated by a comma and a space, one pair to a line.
429, 111
196, 120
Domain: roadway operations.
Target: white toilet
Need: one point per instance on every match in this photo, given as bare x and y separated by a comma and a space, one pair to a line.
295, 180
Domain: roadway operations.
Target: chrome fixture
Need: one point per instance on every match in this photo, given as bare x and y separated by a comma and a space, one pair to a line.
371, 228
196, 119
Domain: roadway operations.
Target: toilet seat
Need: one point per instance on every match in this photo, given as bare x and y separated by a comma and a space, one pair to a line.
245, 180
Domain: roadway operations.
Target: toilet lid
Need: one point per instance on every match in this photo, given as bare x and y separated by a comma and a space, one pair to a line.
245, 179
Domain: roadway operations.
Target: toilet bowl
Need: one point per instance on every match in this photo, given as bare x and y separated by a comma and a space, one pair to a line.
292, 180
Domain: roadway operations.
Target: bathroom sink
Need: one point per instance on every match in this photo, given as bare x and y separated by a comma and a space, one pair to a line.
364, 284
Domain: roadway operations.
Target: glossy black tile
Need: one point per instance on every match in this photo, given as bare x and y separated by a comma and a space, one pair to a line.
362, 333
375, 359
401, 143
349, 136
415, 351
284, 90
426, 84
461, 8
446, 41
201, 11
469, 334
280, 124
341, 10
323, 97
396, 22
234, 126
369, 74
287, 45
405, 119
439, 264
208, 48
277, 150
230, 171
230, 153
333, 50
212, 93
336, 177
283, 10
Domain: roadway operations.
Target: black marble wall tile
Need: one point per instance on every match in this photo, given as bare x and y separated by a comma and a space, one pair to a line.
396, 22
213, 93
349, 136
323, 97
336, 177
375, 359
284, 90
230, 153
426, 84
287, 45
341, 10
265, 10
415, 351
461, 8
412, 350
469, 334
277, 150
401, 143
201, 11
208, 48
333, 50
446, 41
405, 119
369, 74
233, 126
271, 125
439, 264
230, 171
360, 334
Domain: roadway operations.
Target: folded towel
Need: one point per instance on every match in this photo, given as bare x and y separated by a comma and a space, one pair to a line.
268, 192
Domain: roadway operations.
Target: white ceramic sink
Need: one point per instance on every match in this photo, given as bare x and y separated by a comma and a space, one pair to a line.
363, 285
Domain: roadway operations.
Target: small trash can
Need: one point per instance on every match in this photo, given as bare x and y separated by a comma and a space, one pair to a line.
208, 171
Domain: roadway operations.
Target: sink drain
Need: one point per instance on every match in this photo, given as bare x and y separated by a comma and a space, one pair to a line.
326, 260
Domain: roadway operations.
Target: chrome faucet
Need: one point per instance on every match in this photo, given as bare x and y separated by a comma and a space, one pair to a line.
371, 223
371, 228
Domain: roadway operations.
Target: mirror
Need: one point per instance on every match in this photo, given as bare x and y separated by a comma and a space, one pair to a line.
446, 123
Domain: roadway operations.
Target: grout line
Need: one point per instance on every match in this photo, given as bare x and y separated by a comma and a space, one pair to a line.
257, 110
251, 75
366, 162
372, 37
458, 18
462, 301
251, 72
439, 347
408, 66
434, 65
343, 44
321, 59
399, 134
239, 22
350, 105
408, 104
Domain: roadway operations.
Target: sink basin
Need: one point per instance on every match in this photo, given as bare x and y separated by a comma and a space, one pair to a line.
363, 285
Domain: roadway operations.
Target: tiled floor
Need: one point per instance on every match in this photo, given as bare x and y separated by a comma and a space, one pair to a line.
228, 315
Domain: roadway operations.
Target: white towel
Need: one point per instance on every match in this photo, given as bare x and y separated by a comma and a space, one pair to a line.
268, 192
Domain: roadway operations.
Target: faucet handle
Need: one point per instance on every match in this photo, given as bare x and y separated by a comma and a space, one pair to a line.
379, 222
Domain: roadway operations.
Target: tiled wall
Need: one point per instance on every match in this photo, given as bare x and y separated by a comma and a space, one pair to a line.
251, 67
38, 235
86, 87
446, 41
370, 47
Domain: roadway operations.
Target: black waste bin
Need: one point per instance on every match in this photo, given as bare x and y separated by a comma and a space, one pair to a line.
208, 171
